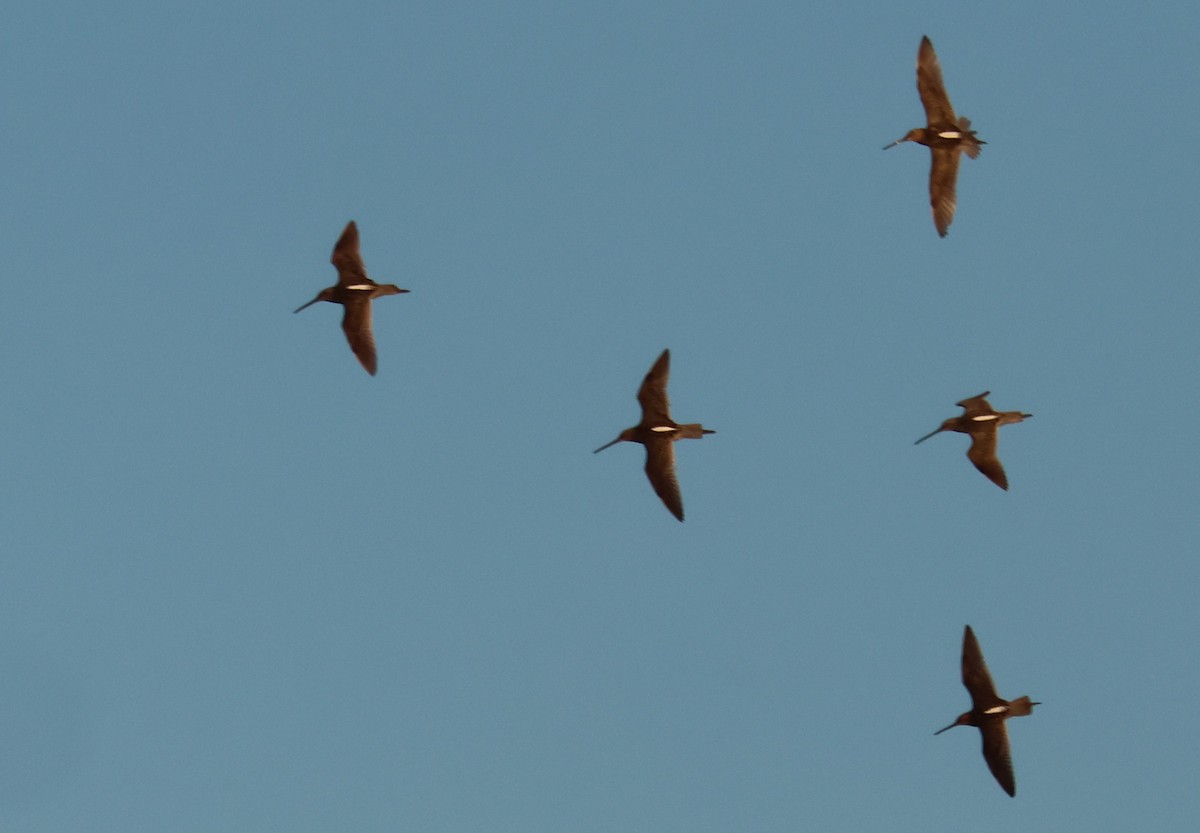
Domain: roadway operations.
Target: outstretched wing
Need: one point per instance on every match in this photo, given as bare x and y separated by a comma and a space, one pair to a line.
356, 324
652, 395
943, 186
975, 676
983, 454
997, 754
347, 260
931, 87
660, 468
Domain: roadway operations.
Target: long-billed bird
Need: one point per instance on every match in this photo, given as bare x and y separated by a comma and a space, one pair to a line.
989, 712
946, 135
658, 433
354, 291
983, 424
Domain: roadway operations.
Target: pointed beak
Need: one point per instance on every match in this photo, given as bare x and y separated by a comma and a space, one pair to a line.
306, 306
951, 726
927, 436
893, 144
607, 445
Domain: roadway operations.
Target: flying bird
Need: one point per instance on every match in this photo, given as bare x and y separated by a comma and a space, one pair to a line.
658, 433
989, 712
982, 423
946, 135
354, 291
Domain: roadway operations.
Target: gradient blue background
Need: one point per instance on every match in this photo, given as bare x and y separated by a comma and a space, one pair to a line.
247, 587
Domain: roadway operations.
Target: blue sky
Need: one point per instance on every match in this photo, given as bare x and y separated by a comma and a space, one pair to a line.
245, 586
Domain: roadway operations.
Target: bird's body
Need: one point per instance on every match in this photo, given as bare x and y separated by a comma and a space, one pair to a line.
658, 433
983, 424
946, 135
355, 291
989, 712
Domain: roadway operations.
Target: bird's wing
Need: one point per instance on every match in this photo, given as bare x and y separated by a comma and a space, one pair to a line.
931, 87
943, 186
975, 676
347, 260
660, 468
997, 755
976, 403
983, 454
652, 395
356, 324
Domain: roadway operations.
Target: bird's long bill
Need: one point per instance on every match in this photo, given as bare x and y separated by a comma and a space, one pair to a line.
607, 445
893, 144
306, 306
930, 434
951, 726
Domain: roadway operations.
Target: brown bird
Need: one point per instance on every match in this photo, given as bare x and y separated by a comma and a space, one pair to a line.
988, 712
354, 291
946, 135
658, 432
982, 423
